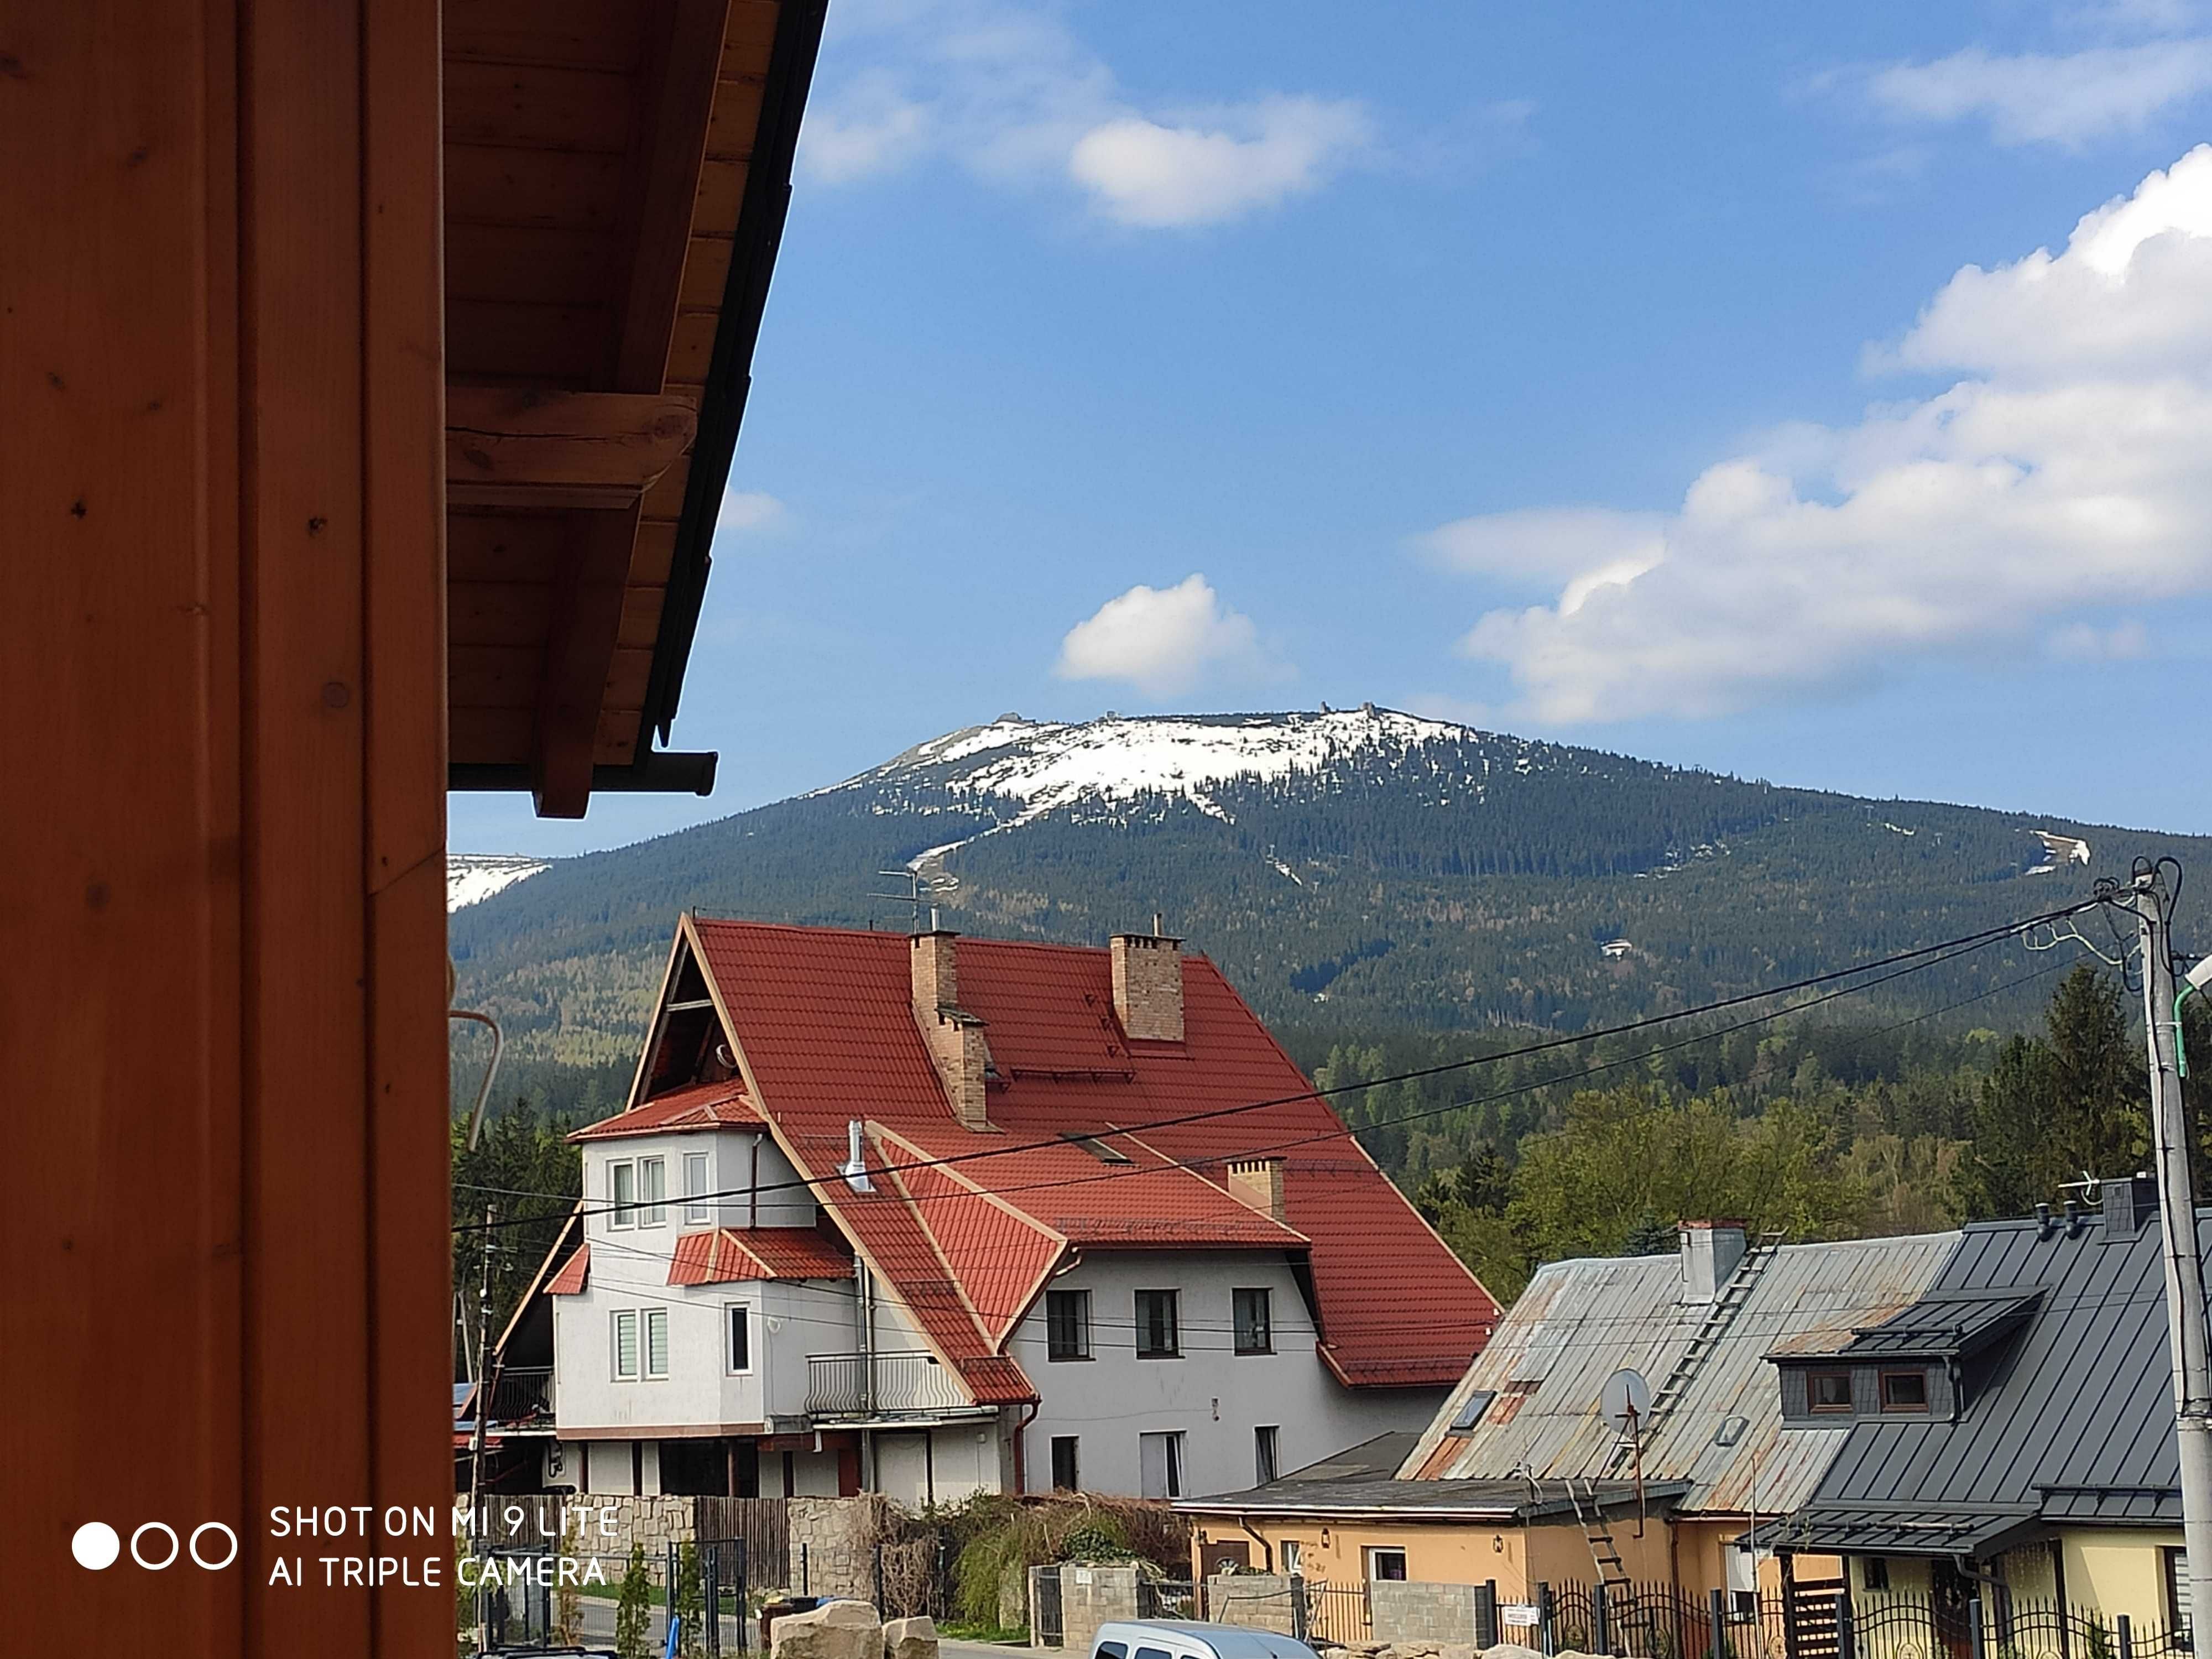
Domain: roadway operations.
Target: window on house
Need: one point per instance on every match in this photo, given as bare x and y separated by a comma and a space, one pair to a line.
2175, 1563
1386, 1566
653, 1190
696, 1210
625, 1343
1159, 1465
1255, 1330
1905, 1391
1829, 1391
656, 1342
1066, 1475
1157, 1337
1290, 1552
1874, 1572
622, 1189
1263, 1454
1067, 1324
741, 1338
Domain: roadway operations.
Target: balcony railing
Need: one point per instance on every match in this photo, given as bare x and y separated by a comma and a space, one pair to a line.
849, 1385
522, 1397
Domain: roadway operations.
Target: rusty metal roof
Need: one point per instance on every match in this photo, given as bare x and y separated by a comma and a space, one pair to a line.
1579, 1321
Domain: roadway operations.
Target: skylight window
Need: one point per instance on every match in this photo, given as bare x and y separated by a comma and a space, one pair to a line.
1098, 1149
1471, 1412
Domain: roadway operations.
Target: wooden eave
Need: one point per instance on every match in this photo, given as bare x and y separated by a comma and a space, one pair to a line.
617, 175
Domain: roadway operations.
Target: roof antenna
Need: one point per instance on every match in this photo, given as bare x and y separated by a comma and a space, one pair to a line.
855, 1166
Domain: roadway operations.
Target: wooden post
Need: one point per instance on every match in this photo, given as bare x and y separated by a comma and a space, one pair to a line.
223, 626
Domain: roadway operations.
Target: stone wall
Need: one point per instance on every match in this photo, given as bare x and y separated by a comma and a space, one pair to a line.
1433, 1613
1261, 1601
1091, 1594
839, 1537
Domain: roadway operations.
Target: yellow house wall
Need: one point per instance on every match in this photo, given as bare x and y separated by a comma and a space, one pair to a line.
2117, 1572
1445, 1552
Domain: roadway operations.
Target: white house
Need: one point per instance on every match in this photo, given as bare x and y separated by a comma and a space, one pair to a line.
932, 1215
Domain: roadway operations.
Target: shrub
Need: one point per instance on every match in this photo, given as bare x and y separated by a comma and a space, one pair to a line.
633, 1609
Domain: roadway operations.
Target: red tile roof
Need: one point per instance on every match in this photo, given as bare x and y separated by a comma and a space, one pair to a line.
823, 1019
701, 1106
570, 1281
736, 1254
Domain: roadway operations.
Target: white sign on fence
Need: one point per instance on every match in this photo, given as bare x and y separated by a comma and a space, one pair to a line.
1525, 1614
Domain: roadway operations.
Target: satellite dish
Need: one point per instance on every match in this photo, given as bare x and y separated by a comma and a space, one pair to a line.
1626, 1401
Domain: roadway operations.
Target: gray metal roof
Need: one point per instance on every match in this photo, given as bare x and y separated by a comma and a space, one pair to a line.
1948, 1326
1579, 1321
1435, 1500
1374, 1459
2072, 1419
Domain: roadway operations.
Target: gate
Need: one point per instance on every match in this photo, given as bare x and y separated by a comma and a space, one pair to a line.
1166, 1598
722, 1575
1336, 1613
1046, 1630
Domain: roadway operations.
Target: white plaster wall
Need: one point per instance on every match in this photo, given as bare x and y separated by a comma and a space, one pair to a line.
939, 1464
1214, 1395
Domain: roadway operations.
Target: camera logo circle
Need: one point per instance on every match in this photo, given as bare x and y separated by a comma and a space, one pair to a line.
97, 1547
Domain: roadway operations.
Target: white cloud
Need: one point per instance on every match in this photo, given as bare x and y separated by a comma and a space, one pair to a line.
2126, 641
749, 509
1164, 640
2067, 470
1015, 97
1143, 172
2067, 99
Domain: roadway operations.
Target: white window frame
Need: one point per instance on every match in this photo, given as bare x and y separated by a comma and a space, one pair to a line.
732, 1312
615, 1346
1291, 1552
696, 1210
1267, 1453
649, 1318
623, 1212
653, 1194
1374, 1553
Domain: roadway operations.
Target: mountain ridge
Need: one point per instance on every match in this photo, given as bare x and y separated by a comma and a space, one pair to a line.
1366, 866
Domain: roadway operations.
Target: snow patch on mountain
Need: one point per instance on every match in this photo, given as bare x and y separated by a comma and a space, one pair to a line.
1047, 764
473, 878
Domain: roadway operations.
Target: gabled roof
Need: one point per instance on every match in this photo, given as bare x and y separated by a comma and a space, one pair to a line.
2071, 1420
1579, 1321
701, 1106
822, 1019
733, 1255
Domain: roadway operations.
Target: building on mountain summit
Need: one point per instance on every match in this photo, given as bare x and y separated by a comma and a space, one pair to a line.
929, 1215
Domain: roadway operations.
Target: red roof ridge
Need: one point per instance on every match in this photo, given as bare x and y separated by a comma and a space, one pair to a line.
954, 1172
1047, 946
1168, 1165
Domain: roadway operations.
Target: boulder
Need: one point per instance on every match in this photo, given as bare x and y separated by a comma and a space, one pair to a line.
1507, 1651
910, 1639
836, 1629
1465, 1650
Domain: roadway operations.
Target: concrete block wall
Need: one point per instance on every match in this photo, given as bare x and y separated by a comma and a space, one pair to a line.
1429, 1613
1259, 1601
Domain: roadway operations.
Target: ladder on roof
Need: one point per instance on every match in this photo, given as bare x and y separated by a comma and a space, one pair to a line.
1627, 1624
1720, 1314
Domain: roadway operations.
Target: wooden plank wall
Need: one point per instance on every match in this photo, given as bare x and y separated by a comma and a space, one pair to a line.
222, 639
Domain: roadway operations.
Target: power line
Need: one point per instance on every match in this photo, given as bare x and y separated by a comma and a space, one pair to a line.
1911, 962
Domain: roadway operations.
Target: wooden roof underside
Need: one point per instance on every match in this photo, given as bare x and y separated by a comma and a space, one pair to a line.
616, 174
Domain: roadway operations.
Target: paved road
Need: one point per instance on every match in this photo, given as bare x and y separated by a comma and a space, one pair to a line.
598, 1621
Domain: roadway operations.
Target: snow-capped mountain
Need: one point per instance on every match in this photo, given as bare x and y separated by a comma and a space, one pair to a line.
1361, 866
473, 878
1051, 763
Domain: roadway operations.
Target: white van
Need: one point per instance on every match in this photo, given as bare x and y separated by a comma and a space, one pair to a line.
1161, 1639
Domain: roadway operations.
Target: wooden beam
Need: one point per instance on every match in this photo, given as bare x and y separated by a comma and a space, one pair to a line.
675, 99
588, 607
536, 448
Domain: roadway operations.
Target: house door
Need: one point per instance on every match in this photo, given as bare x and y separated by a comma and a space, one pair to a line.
1950, 1593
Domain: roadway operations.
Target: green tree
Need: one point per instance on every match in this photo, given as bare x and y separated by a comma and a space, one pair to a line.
633, 1608
2071, 1103
688, 1602
1650, 1237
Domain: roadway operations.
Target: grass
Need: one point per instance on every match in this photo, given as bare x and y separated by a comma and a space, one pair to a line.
1016, 1634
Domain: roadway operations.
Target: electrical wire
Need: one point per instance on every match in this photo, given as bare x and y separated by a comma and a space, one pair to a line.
1951, 949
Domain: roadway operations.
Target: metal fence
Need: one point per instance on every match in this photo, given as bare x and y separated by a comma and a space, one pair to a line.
1828, 1621
1332, 1615
1166, 1598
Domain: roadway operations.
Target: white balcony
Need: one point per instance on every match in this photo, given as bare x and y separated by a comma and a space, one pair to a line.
852, 1385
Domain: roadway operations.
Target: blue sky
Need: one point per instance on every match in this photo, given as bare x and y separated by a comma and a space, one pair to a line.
1610, 373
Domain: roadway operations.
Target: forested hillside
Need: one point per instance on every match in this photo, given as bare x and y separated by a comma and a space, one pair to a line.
1389, 892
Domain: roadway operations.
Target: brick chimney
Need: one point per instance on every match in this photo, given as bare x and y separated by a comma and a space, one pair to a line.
1148, 985
953, 1036
1710, 1251
1258, 1181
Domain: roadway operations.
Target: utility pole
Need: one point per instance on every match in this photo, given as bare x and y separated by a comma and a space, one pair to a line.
483, 1415
2177, 1215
